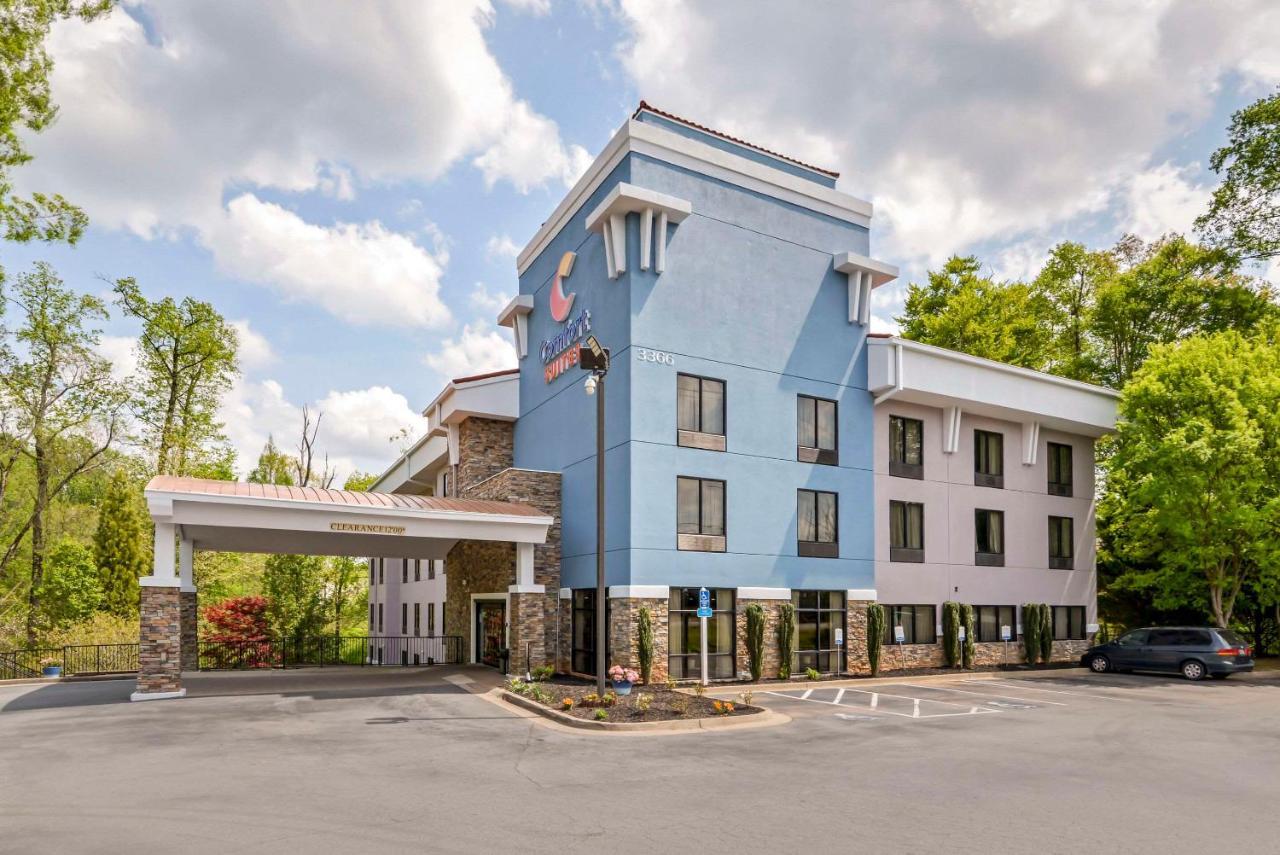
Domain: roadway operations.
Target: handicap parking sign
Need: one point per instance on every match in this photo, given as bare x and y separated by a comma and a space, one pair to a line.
704, 603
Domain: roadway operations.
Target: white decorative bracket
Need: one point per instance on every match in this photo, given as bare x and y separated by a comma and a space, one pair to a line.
951, 430
516, 316
865, 275
1030, 442
656, 211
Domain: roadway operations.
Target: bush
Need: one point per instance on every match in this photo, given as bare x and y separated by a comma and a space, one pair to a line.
1046, 633
813, 673
601, 714
643, 702
644, 635
542, 672
951, 633
786, 638
967, 621
1031, 631
875, 636
755, 639
70, 590
98, 628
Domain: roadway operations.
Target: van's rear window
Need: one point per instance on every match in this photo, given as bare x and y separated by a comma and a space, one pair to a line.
1231, 638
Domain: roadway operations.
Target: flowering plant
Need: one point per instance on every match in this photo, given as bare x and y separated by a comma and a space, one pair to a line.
567, 703
723, 707
620, 674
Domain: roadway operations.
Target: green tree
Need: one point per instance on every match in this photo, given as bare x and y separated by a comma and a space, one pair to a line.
875, 636
343, 589
1244, 213
1069, 282
360, 481
64, 402
70, 590
120, 545
26, 107
274, 466
294, 586
1195, 473
186, 362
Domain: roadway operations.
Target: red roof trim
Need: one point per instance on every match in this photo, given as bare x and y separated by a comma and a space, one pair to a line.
485, 376
644, 105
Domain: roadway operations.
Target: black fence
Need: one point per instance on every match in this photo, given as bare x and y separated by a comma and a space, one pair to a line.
322, 651
73, 659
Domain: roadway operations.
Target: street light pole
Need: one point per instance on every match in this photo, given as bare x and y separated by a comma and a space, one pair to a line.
595, 359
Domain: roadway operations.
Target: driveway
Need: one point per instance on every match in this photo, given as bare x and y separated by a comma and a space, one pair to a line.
406, 760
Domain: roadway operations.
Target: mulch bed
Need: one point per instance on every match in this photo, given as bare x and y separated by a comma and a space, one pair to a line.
664, 704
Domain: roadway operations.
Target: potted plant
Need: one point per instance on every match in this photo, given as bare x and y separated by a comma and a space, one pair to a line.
622, 679
51, 666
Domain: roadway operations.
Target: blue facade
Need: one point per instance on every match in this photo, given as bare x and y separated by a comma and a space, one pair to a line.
749, 296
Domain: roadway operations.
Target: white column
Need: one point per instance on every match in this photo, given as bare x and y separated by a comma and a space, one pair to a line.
524, 572
951, 435
660, 243
1030, 443
606, 234
618, 226
855, 296
864, 302
646, 237
163, 571
186, 564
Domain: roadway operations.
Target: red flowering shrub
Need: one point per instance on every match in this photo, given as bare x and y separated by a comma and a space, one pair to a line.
240, 637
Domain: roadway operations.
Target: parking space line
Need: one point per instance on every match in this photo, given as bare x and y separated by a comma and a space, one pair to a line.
907, 697
987, 694
1023, 686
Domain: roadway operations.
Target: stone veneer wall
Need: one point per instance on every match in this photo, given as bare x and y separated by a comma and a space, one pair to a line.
485, 448
855, 638
159, 648
772, 657
188, 613
624, 637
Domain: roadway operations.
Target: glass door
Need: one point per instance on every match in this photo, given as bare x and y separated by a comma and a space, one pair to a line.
491, 635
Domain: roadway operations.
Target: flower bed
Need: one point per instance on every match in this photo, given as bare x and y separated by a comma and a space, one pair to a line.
645, 703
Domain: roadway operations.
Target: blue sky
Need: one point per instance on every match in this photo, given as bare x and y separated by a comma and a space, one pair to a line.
350, 182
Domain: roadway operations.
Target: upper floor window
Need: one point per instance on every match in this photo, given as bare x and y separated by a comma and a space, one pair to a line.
404, 570
816, 432
431, 569
700, 412
906, 531
906, 447
817, 528
1059, 469
417, 569
1061, 543
988, 538
700, 514
381, 570
372, 577
988, 458
417, 618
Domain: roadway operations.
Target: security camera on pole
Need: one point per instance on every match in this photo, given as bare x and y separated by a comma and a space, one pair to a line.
595, 359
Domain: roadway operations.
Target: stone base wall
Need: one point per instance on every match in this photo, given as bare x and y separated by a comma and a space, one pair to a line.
160, 641
855, 638
527, 632
772, 657
189, 613
624, 634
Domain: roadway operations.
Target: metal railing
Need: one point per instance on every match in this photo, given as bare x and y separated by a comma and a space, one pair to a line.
74, 659
17, 664
321, 651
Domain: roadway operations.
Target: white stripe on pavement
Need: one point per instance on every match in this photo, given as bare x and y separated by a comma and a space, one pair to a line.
987, 694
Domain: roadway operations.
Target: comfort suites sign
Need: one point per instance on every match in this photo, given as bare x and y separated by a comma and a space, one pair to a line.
560, 352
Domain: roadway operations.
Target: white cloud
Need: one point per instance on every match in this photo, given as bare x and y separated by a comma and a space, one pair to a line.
362, 273
1165, 199
478, 350
254, 350
964, 122
501, 247
530, 7
488, 304
530, 152
122, 352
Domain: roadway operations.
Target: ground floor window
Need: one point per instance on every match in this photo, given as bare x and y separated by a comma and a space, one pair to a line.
1068, 623
818, 615
379, 618
685, 642
417, 618
919, 624
584, 630
404, 618
989, 619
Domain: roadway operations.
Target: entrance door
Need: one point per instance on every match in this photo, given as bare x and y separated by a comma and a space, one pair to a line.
491, 636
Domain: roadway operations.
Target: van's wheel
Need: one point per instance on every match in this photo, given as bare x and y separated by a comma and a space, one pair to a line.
1099, 664
1193, 670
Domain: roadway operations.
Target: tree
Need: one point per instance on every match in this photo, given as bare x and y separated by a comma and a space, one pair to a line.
1244, 212
186, 361
344, 574
294, 586
26, 105
1070, 281
70, 590
64, 401
360, 481
875, 636
1194, 478
120, 545
238, 619
274, 466
302, 464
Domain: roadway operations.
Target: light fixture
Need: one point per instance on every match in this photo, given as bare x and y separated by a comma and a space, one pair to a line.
590, 385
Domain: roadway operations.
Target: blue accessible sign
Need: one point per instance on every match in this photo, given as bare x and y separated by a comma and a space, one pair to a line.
704, 603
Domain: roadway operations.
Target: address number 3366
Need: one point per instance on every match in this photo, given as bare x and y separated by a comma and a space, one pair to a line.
643, 354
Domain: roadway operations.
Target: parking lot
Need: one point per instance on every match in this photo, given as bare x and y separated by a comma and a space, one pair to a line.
411, 760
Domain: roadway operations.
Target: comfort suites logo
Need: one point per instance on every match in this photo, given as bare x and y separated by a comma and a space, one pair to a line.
560, 352
560, 304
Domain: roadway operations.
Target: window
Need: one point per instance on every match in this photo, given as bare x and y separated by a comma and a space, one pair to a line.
684, 642
372, 577
988, 621
988, 531
443, 617
1059, 469
584, 630
906, 531
404, 618
816, 430
1068, 623
431, 569
371, 618
1061, 543
404, 570
906, 447
818, 615
417, 618
431, 617
919, 624
817, 526
417, 569
700, 412
700, 514
988, 458
381, 568
444, 485
379, 618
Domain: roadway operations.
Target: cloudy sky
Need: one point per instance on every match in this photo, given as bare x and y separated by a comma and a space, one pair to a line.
350, 183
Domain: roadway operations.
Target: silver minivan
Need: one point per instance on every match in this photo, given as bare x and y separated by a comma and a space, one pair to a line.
1193, 651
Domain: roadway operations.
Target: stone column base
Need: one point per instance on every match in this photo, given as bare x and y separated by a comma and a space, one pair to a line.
624, 635
527, 635
160, 644
190, 657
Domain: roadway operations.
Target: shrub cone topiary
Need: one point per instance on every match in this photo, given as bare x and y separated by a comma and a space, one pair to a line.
951, 633
1046, 633
786, 638
644, 637
875, 636
969, 650
755, 639
1031, 631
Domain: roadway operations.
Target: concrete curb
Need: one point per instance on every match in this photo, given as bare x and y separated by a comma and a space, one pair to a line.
764, 718
792, 685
